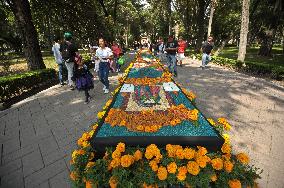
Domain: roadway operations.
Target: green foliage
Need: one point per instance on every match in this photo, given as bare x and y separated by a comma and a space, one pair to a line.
14, 85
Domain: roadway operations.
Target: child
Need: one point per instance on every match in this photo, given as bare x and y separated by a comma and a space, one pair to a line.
83, 77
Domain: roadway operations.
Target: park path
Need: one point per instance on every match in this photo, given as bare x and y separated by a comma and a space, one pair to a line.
38, 134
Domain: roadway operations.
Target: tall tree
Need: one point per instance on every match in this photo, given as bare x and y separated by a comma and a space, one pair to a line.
244, 31
202, 4
212, 8
22, 12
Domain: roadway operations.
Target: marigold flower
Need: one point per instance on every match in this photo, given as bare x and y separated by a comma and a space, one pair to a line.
228, 166
115, 162
211, 121
193, 168
162, 173
201, 150
101, 114
243, 158
90, 164
217, 163
89, 184
137, 155
181, 176
182, 170
226, 138
120, 147
188, 153
153, 164
213, 177
126, 160
172, 167
113, 182
179, 154
226, 148
235, 183
148, 155
227, 156
73, 176
201, 161
116, 154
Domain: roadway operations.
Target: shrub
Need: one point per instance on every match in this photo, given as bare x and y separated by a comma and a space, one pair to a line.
14, 85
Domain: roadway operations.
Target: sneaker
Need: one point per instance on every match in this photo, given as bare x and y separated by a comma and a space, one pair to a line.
104, 88
117, 70
87, 102
106, 91
72, 88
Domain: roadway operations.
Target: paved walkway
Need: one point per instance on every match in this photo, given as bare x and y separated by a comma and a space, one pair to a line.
38, 134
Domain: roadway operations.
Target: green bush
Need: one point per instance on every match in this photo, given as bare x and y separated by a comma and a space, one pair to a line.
14, 85
275, 72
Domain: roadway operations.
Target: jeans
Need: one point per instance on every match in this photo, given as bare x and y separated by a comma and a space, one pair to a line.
205, 59
60, 68
103, 73
172, 63
70, 67
87, 95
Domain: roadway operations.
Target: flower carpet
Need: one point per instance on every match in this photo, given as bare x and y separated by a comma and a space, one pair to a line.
151, 134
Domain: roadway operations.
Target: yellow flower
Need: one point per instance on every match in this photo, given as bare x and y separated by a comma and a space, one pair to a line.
73, 175
181, 176
113, 182
243, 158
201, 150
120, 147
226, 148
95, 127
227, 126
217, 163
101, 114
162, 173
213, 177
126, 160
137, 155
179, 153
116, 154
193, 168
91, 133
228, 166
172, 167
153, 164
90, 164
188, 153
77, 152
235, 183
89, 184
148, 155
115, 163
211, 121
226, 138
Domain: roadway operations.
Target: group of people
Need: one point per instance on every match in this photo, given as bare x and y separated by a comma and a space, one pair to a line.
79, 76
106, 60
175, 52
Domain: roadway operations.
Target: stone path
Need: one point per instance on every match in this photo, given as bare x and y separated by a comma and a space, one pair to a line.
38, 134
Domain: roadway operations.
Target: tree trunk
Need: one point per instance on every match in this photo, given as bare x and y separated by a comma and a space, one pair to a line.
266, 44
200, 23
244, 31
22, 12
169, 16
212, 8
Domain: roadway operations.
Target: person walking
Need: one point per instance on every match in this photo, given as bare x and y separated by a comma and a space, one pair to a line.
83, 78
181, 49
69, 51
116, 52
206, 49
58, 59
104, 54
171, 49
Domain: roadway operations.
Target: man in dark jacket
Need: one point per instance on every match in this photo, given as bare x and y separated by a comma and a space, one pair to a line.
171, 49
206, 49
68, 51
